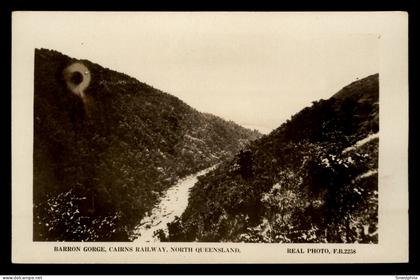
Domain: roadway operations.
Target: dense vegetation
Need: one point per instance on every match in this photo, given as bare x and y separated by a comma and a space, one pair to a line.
313, 179
96, 173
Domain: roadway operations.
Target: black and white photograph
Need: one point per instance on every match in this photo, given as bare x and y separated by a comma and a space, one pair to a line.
149, 129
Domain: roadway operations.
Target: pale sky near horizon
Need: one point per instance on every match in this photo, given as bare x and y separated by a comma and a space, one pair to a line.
255, 69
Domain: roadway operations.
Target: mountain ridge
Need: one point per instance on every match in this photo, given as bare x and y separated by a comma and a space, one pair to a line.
307, 181
102, 161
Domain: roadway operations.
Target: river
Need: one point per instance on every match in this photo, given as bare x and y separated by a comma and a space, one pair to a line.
173, 203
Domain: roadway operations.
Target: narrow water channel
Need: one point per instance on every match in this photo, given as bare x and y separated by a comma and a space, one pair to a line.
173, 203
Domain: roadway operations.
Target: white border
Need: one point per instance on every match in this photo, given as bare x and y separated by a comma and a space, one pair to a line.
393, 160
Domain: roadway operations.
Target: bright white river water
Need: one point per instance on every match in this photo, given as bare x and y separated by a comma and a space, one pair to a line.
173, 203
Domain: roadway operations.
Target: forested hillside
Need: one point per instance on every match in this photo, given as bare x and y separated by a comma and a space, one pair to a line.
313, 179
100, 165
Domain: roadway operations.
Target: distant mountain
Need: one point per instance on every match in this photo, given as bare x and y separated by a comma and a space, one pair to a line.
313, 179
104, 154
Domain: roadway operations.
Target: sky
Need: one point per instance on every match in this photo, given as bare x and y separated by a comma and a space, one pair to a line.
255, 69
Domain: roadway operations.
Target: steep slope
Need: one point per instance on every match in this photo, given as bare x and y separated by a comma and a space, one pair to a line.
313, 179
106, 146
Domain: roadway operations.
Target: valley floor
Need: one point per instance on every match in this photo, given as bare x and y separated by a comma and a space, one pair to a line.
173, 203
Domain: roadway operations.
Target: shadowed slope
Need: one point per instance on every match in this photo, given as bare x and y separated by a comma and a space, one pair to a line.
97, 170
313, 179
